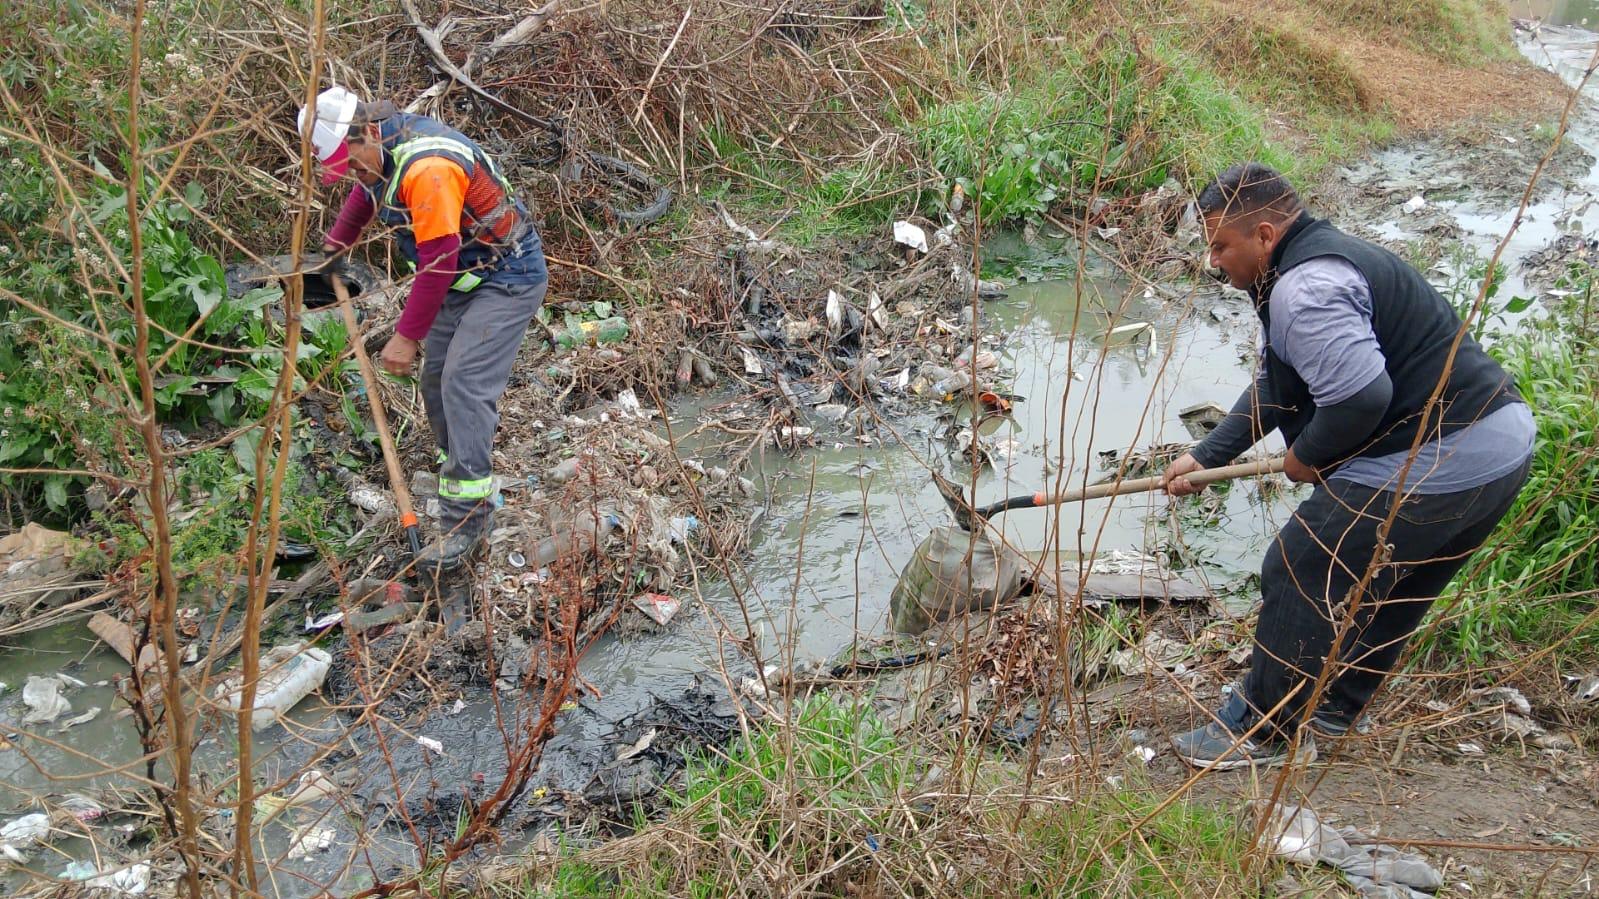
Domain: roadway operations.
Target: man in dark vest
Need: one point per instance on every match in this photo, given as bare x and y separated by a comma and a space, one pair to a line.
1356, 373
480, 277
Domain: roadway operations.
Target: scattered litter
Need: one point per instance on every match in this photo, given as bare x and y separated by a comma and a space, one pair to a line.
1509, 696
628, 404
43, 696
658, 606
516, 559
22, 834
1131, 331
372, 500
81, 807
1144, 754
289, 673
1584, 689
317, 625
642, 744
1375, 870
797, 330
309, 840
1107, 233
752, 365
909, 235
1469, 748
832, 411
835, 312
682, 527
1414, 204
1155, 653
133, 880
84, 718
795, 433
1201, 418
431, 745
876, 311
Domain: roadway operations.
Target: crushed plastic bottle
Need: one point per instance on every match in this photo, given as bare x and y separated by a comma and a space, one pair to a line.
609, 330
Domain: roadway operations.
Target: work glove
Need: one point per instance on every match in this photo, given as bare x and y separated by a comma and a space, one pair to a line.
331, 263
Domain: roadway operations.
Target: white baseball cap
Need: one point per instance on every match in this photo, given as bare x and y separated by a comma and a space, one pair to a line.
335, 110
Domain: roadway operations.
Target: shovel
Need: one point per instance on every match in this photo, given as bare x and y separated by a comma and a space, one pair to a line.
968, 516
391, 459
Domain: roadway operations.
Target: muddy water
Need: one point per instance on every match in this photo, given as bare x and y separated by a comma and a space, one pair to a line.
840, 520
1558, 12
1475, 192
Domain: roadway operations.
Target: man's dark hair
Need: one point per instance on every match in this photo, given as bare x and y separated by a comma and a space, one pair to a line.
1246, 191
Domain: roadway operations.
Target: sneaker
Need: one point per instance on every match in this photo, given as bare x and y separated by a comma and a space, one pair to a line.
456, 546
1220, 744
1331, 724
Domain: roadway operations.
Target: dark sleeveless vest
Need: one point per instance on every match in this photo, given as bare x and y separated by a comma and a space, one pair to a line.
1415, 328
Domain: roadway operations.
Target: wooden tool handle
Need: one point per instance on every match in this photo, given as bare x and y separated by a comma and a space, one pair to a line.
391, 459
1144, 485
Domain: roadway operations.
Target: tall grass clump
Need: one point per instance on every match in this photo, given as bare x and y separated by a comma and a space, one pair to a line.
832, 802
1117, 118
1535, 581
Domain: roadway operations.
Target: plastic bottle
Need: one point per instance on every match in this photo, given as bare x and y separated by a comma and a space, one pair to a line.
289, 673
586, 534
610, 330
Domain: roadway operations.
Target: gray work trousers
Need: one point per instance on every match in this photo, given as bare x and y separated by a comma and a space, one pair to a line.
468, 357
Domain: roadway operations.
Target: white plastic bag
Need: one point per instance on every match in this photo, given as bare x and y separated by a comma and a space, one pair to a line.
288, 674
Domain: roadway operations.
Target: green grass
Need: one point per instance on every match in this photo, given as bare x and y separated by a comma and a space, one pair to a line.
833, 793
1535, 581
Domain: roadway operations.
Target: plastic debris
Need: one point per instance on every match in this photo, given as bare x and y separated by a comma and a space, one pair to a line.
130, 881
84, 718
835, 312
372, 500
798, 330
682, 526
22, 834
832, 411
431, 745
289, 673
628, 404
82, 808
1201, 418
1155, 653
309, 840
1414, 204
1469, 748
1131, 331
34, 552
752, 364
316, 625
876, 311
1585, 689
639, 746
909, 235
659, 607
42, 695
1298, 834
516, 559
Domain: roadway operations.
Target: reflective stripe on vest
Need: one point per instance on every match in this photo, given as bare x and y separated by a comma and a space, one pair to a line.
407, 151
465, 282
476, 488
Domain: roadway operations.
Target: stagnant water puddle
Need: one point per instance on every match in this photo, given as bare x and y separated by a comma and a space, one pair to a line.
840, 521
